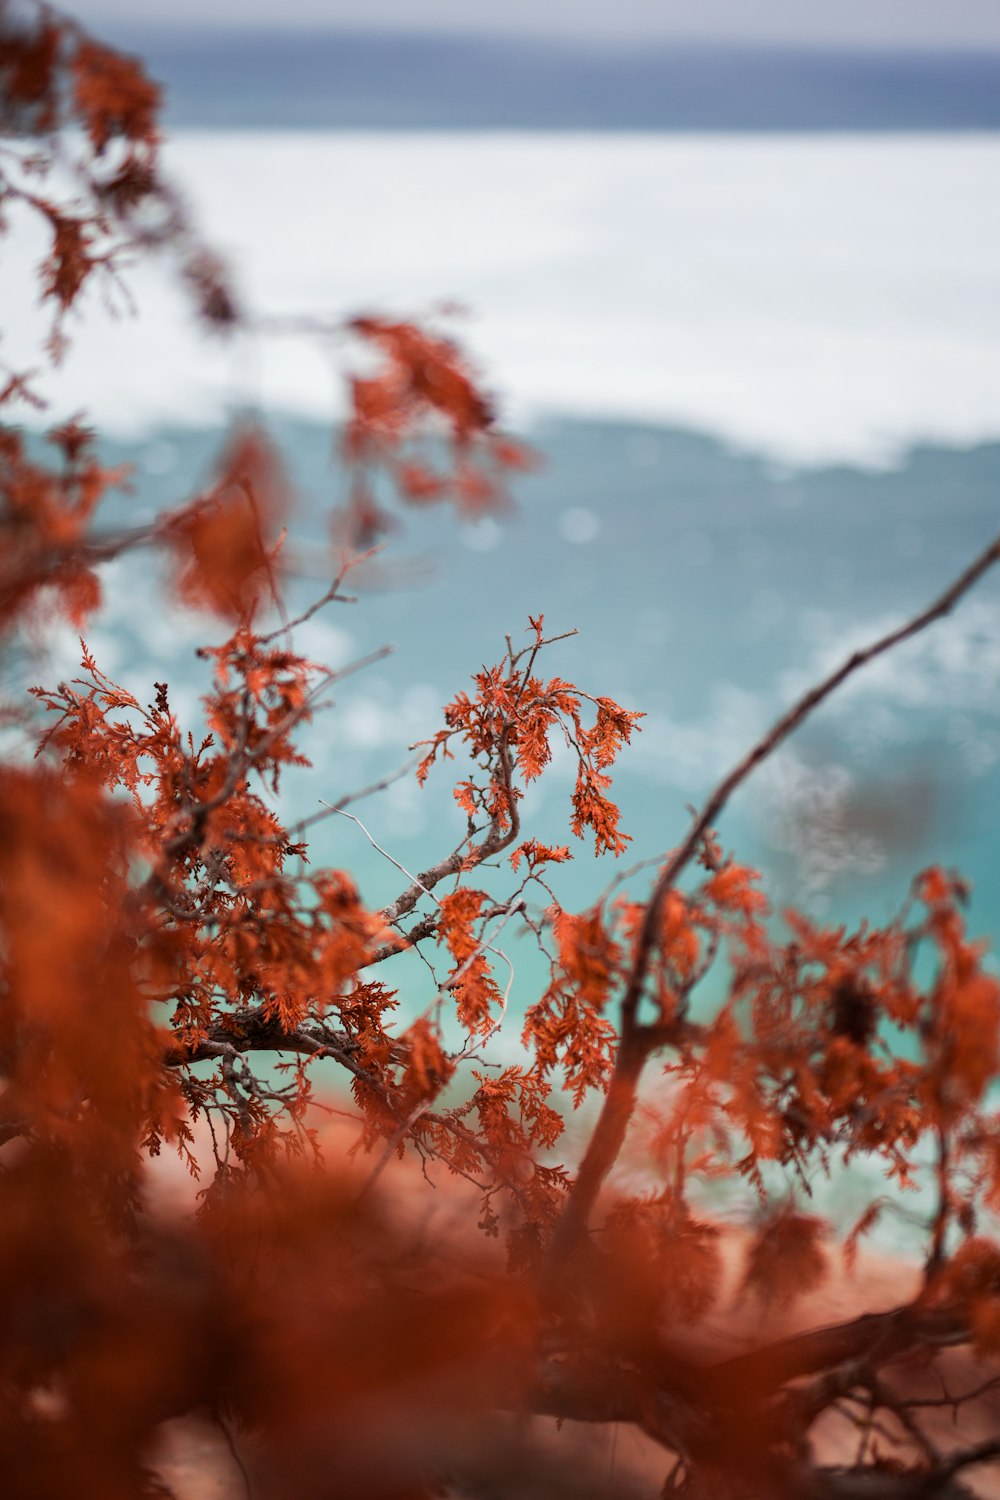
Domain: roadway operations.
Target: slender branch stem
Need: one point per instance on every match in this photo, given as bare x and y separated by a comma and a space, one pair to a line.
612, 1123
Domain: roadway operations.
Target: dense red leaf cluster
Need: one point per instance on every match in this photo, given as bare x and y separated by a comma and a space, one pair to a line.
423, 390
177, 982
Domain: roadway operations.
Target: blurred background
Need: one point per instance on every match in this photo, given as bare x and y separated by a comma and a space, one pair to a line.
734, 270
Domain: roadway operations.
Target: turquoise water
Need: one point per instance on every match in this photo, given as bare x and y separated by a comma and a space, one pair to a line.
811, 296
708, 587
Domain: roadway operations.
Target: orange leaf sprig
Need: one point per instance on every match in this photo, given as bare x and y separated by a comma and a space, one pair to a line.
45, 513
423, 387
506, 727
226, 543
55, 79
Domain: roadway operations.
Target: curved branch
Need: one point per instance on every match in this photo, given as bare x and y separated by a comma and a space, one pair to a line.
874, 1337
250, 1030
612, 1124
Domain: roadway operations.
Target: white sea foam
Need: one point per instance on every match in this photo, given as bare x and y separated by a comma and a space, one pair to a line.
814, 297
953, 669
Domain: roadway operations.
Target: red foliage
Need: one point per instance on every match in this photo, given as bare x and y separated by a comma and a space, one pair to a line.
113, 97
226, 542
175, 980
424, 386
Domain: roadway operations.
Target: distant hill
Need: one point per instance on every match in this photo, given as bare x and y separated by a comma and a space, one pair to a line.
377, 80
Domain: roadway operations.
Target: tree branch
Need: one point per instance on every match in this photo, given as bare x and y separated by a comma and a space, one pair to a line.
612, 1123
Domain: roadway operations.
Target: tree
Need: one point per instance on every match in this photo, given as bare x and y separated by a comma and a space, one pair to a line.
174, 974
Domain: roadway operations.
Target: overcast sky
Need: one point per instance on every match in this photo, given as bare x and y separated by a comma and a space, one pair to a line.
909, 23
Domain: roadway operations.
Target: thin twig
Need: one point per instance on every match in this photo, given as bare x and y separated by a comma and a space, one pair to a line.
413, 879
